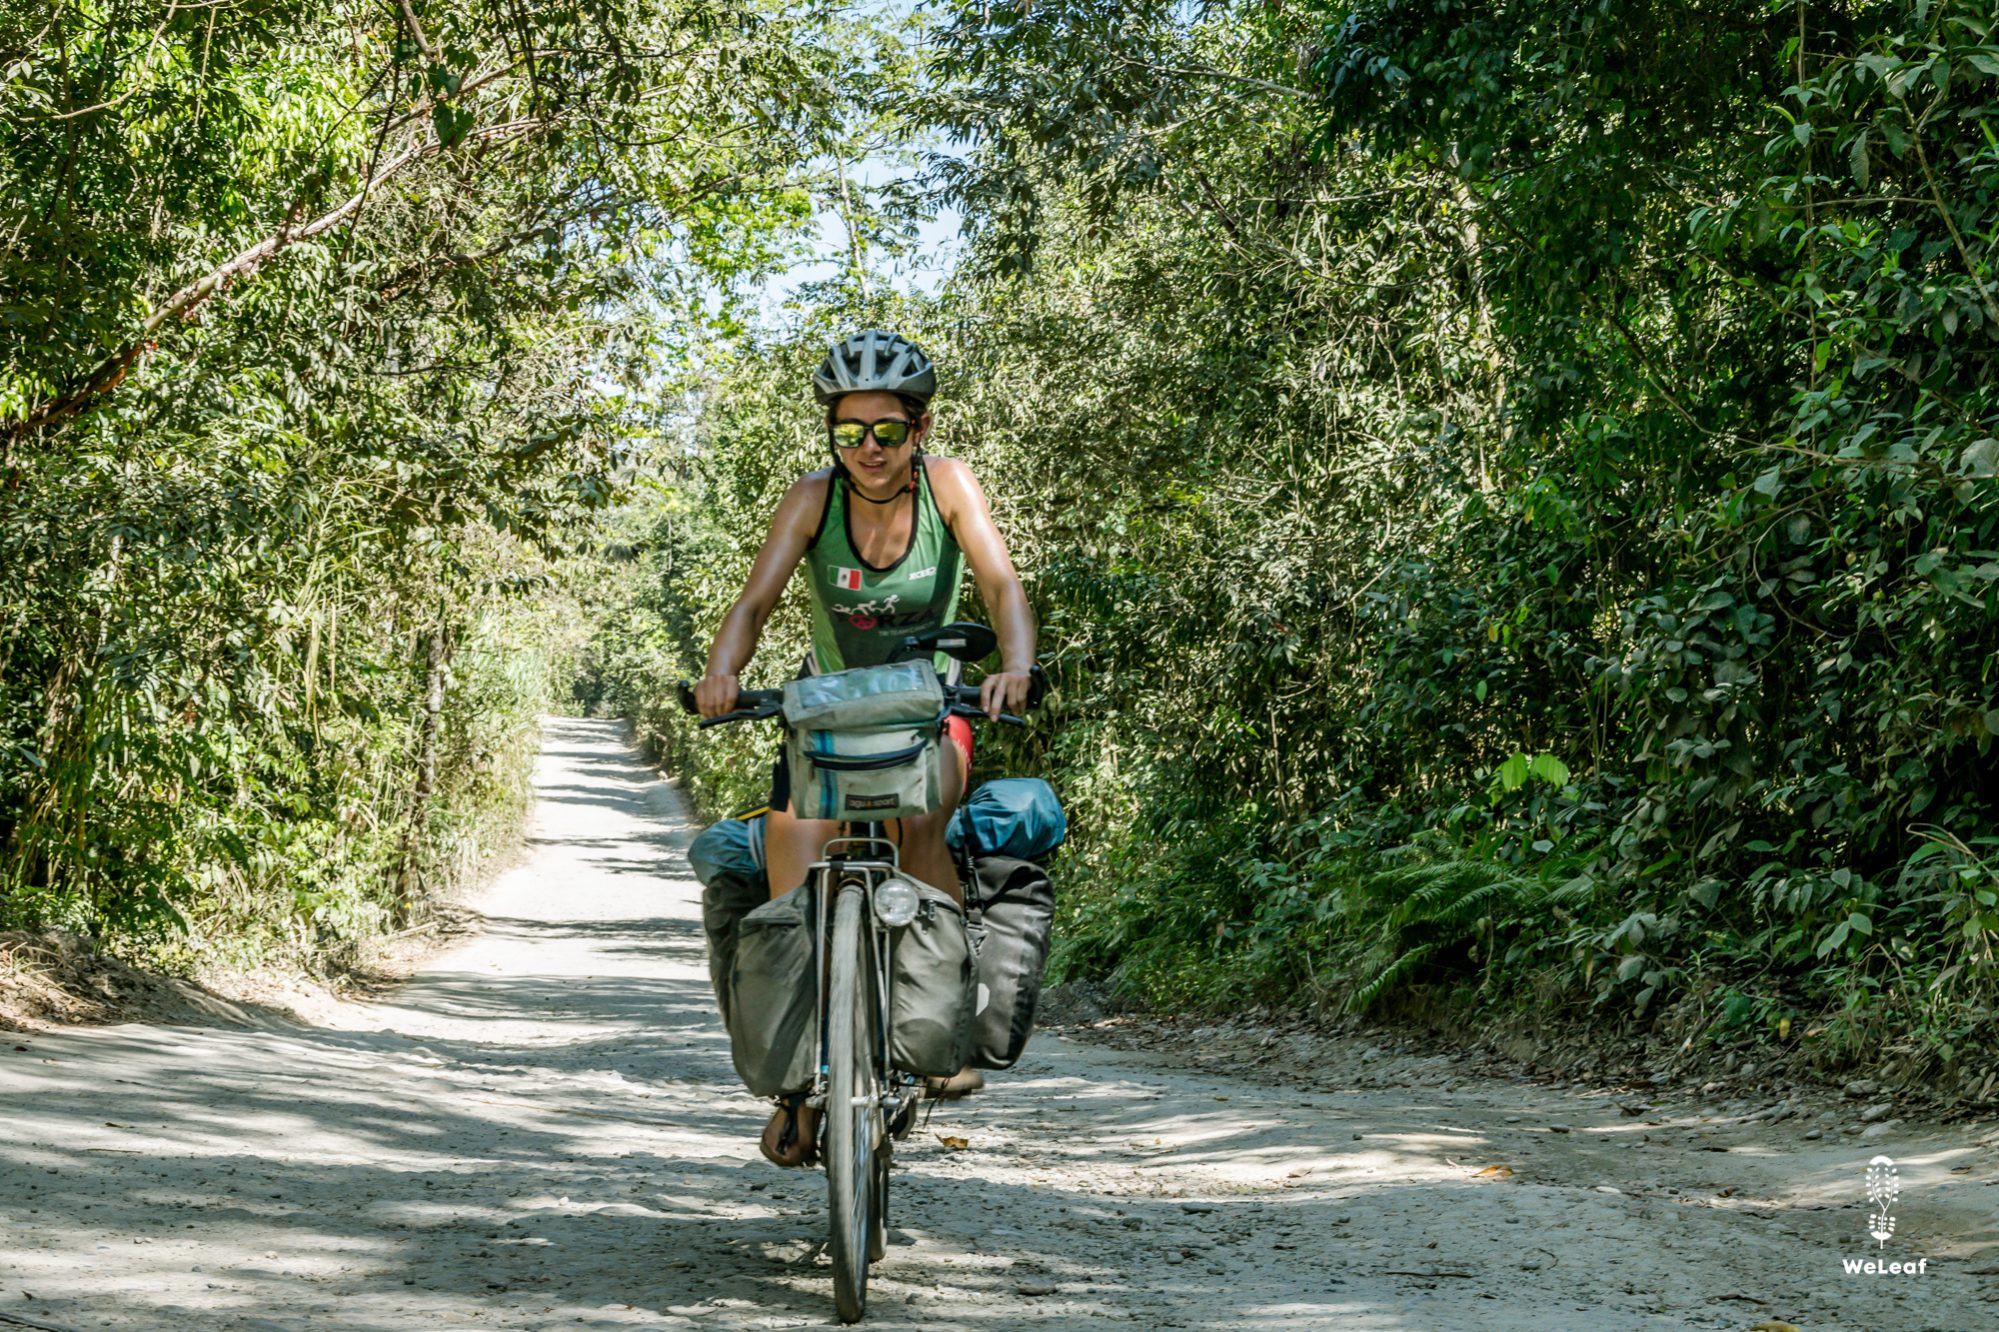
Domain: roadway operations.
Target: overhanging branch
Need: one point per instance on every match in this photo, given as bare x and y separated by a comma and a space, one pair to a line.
106, 374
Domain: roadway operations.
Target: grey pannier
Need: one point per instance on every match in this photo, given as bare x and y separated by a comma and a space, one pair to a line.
1013, 922
866, 744
772, 1009
932, 978
728, 860
1004, 835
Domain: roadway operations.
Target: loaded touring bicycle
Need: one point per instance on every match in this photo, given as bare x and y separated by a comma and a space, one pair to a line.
851, 989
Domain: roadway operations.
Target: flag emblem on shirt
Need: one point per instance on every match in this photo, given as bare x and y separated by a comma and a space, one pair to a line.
850, 579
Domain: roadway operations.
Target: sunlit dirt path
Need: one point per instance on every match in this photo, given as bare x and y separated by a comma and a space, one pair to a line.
543, 1132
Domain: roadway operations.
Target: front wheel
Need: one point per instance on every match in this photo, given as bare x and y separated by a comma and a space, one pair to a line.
853, 1103
878, 1227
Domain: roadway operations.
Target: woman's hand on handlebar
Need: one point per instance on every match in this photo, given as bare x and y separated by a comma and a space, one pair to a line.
1004, 691
715, 694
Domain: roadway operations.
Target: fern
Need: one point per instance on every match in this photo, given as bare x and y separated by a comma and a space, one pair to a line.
1363, 996
1432, 906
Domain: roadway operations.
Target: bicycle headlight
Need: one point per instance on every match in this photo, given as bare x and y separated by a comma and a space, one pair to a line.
895, 902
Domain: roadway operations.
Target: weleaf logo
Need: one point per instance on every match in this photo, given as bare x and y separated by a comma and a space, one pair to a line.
1883, 1188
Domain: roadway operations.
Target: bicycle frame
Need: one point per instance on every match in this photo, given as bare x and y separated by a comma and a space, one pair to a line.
829, 874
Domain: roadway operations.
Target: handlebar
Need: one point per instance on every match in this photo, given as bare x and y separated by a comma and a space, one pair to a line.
751, 704
963, 701
763, 704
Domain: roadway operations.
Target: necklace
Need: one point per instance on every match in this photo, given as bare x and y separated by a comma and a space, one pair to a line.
855, 490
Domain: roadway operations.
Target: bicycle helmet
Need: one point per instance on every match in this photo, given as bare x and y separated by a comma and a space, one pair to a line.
875, 361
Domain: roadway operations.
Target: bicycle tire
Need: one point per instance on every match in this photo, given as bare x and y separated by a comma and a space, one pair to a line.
878, 1230
852, 1105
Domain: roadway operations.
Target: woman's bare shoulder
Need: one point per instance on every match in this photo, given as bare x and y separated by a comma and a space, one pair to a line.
812, 485
801, 505
953, 483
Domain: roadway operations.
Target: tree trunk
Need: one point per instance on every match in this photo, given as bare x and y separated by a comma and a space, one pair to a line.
409, 884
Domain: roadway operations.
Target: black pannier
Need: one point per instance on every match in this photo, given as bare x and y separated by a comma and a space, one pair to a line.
1011, 914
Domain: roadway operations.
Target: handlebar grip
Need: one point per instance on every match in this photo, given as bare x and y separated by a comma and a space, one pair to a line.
751, 704
1037, 689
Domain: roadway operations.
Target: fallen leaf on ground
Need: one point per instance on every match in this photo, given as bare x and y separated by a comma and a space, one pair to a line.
955, 1143
1774, 1325
1495, 1172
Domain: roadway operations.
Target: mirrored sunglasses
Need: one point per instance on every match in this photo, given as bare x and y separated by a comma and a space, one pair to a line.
891, 432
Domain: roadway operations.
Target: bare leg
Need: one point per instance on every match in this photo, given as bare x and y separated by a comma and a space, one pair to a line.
791, 845
924, 853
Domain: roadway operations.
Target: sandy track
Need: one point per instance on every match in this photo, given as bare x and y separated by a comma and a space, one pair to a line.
543, 1132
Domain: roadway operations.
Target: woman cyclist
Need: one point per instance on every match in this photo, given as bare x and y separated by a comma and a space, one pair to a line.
883, 536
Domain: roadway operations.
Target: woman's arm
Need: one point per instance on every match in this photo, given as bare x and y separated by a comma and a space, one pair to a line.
963, 506
791, 531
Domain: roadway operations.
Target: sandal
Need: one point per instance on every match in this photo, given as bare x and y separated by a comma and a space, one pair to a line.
960, 1084
795, 1140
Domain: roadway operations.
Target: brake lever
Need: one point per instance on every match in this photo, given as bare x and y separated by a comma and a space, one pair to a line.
967, 710
740, 714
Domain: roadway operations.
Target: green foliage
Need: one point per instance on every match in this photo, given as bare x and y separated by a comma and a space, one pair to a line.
1509, 489
326, 336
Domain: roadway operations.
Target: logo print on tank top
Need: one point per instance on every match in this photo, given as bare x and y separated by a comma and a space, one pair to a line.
847, 579
868, 614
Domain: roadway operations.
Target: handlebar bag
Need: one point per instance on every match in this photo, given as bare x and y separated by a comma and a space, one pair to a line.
866, 744
1012, 905
772, 1008
932, 980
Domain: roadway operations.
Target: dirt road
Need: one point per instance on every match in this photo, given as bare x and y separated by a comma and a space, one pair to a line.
542, 1132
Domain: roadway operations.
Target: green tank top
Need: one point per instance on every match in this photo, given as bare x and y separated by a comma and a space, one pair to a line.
860, 613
